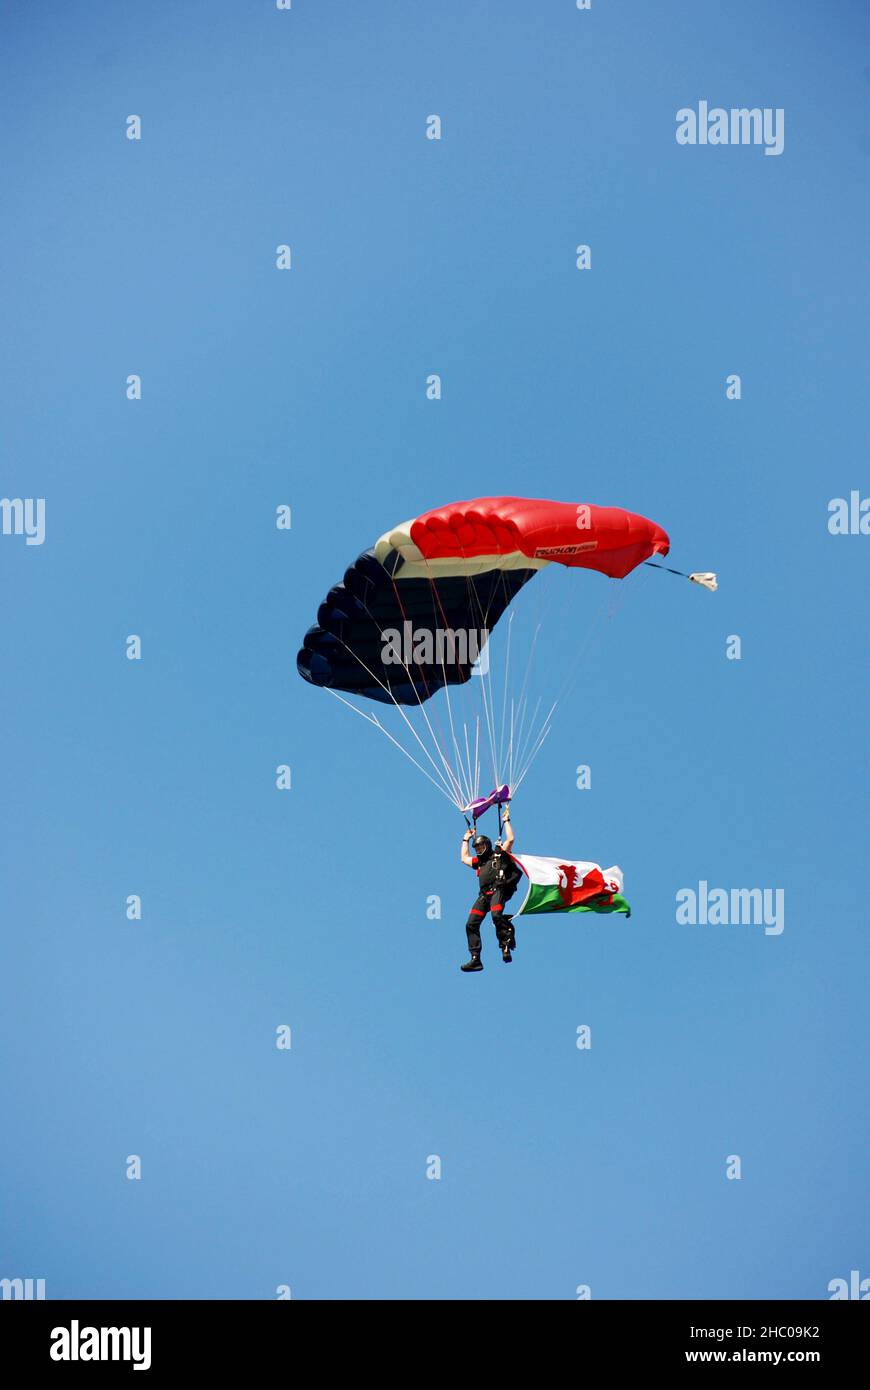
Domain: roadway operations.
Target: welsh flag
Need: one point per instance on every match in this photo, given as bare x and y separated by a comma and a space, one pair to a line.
570, 885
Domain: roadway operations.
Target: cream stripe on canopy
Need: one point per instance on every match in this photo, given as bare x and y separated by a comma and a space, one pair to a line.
416, 566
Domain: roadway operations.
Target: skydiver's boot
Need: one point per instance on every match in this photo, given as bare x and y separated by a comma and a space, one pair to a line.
506, 952
474, 964
512, 939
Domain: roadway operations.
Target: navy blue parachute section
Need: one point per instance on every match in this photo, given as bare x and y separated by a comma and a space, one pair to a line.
346, 648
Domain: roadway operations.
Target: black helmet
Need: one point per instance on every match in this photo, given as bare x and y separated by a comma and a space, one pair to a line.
482, 846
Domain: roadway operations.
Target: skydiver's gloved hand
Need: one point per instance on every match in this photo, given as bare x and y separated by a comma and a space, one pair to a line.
509, 838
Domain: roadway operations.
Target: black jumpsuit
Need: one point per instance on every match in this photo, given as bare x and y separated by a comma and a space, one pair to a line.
494, 893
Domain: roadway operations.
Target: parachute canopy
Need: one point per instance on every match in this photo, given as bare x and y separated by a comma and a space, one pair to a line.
414, 613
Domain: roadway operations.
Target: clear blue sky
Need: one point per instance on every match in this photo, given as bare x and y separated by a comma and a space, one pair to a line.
308, 908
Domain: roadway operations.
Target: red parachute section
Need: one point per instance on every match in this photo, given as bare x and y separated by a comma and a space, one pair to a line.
582, 536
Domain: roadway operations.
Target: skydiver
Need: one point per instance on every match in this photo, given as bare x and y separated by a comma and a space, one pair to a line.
498, 878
